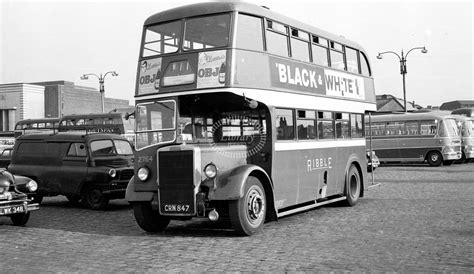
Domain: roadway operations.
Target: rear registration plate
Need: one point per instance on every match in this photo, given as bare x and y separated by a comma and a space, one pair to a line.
12, 209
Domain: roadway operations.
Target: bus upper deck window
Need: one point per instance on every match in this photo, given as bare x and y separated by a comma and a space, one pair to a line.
207, 32
277, 38
249, 33
162, 38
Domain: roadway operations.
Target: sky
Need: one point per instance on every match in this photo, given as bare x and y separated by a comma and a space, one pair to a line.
62, 40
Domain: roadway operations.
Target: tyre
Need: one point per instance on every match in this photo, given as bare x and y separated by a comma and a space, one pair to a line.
463, 159
352, 187
247, 214
434, 158
95, 199
35, 198
74, 199
20, 219
448, 162
148, 219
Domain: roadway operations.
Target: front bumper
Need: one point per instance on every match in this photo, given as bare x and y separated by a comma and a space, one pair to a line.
13, 207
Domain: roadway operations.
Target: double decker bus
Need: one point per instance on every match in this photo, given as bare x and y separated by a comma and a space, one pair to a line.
245, 114
40, 125
112, 122
431, 137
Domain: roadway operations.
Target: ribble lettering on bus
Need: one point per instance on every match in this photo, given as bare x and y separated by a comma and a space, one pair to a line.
318, 163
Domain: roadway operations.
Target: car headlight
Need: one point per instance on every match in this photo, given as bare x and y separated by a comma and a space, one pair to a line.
4, 185
143, 173
210, 171
112, 172
32, 186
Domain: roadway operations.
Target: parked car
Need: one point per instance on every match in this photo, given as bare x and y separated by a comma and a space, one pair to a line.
89, 169
372, 161
5, 157
14, 201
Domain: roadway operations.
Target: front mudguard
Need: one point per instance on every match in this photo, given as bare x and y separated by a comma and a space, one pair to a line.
230, 184
132, 196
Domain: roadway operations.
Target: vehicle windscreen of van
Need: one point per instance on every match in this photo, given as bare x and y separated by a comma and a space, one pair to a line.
107, 148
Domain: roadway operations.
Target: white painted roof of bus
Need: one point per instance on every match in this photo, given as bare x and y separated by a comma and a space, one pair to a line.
221, 7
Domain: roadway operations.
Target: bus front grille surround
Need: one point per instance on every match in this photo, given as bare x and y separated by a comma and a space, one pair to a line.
176, 182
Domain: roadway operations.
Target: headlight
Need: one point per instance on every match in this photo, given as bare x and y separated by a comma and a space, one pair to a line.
448, 149
143, 173
112, 172
4, 185
211, 171
32, 186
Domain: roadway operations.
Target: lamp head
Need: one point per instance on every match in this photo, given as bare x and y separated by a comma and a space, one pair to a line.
424, 50
379, 56
114, 73
84, 77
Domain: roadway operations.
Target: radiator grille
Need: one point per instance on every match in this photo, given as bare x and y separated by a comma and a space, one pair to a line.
176, 185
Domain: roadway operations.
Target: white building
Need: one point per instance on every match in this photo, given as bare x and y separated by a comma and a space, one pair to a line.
18, 102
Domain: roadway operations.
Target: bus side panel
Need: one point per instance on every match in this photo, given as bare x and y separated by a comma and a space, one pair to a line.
386, 149
416, 148
308, 174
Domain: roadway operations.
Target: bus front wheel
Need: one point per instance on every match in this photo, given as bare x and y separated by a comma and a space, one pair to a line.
247, 214
353, 186
148, 219
434, 158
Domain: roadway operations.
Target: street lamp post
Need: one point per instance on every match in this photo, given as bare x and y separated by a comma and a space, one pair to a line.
403, 68
101, 79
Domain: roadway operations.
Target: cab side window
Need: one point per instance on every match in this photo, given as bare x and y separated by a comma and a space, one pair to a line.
77, 150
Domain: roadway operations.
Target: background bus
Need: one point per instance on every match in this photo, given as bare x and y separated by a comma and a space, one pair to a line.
42, 125
247, 114
113, 122
416, 137
466, 129
468, 112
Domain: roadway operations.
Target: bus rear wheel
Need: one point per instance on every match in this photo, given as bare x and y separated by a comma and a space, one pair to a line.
353, 186
148, 219
247, 214
434, 158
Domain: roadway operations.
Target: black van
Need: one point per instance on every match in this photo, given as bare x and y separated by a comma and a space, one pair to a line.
91, 169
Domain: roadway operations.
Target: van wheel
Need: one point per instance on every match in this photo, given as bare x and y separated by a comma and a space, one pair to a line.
20, 219
74, 199
353, 186
247, 214
95, 199
434, 158
35, 198
148, 219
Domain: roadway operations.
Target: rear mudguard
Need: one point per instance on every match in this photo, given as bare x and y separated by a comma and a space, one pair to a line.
230, 184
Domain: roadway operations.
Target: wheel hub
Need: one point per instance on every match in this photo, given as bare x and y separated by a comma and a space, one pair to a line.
255, 205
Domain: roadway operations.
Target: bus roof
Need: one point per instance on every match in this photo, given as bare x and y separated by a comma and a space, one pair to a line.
222, 7
69, 136
410, 116
92, 115
469, 112
38, 120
